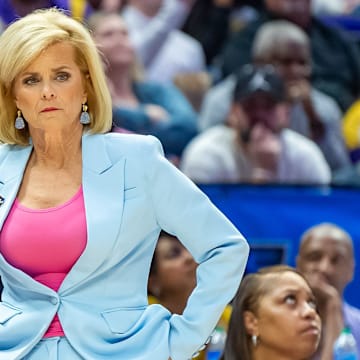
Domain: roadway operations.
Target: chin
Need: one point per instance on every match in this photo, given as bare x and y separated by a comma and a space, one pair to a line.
305, 351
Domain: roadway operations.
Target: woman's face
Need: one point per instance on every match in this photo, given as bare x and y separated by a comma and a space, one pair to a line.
112, 38
175, 267
50, 91
288, 322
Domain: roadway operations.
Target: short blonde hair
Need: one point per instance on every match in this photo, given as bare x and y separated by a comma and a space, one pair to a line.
23, 41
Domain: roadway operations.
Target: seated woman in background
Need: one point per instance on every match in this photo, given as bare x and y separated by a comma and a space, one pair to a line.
274, 317
173, 278
140, 106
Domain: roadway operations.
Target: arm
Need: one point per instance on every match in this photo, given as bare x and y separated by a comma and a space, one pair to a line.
181, 124
330, 309
300, 91
136, 120
220, 250
150, 39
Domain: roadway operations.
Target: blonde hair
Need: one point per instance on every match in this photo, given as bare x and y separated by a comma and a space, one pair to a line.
23, 41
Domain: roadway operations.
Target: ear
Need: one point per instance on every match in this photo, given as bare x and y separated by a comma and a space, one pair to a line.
251, 323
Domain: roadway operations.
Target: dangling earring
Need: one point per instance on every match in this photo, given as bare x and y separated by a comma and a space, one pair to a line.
19, 121
84, 117
254, 340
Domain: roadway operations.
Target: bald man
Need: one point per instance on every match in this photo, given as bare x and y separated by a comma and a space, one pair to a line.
326, 258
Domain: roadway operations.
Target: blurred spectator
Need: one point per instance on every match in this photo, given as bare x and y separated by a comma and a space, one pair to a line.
140, 106
256, 146
313, 113
209, 23
194, 86
12, 9
173, 278
326, 258
170, 51
331, 50
274, 317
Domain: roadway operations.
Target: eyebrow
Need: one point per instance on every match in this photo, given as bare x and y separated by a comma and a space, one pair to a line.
60, 68
294, 290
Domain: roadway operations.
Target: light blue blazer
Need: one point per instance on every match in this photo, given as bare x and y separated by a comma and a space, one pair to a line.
131, 192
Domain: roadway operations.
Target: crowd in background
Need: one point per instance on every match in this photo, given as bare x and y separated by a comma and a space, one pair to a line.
239, 92
173, 67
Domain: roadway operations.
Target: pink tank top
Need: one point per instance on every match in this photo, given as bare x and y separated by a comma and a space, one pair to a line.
45, 243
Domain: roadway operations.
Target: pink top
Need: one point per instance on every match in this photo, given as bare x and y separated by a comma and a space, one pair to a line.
45, 243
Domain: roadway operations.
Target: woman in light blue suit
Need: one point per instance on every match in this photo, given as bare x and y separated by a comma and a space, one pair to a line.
81, 210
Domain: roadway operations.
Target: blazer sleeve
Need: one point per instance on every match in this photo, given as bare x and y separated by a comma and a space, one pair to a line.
218, 247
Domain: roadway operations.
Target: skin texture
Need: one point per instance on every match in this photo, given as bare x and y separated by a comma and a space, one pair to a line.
50, 94
51, 81
326, 259
288, 305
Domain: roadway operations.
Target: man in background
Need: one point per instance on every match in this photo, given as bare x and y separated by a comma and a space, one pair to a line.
326, 258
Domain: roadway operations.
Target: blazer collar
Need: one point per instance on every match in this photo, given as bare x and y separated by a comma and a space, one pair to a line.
95, 156
11, 171
103, 182
14, 163
103, 189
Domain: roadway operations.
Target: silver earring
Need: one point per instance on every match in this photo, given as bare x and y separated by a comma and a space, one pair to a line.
19, 121
254, 340
84, 117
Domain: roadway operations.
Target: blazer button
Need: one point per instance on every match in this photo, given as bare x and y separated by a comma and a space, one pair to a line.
54, 300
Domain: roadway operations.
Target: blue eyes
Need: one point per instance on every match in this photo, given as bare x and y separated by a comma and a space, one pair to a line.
33, 80
30, 81
62, 76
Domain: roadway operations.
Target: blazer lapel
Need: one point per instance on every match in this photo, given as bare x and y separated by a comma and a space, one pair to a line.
11, 174
103, 189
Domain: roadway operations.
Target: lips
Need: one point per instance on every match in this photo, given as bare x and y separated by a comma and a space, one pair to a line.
49, 109
311, 329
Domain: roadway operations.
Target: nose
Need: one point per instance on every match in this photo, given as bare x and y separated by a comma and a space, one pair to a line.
325, 266
46, 96
47, 92
308, 311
